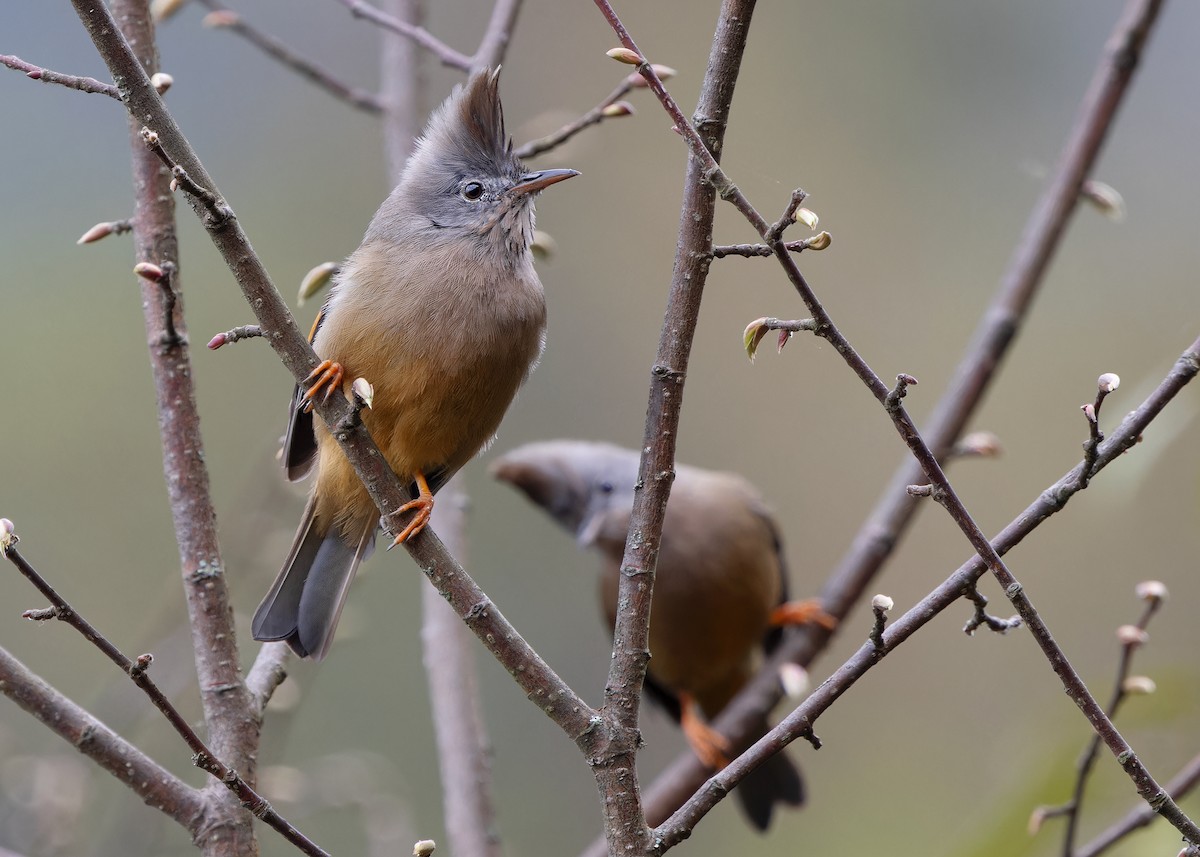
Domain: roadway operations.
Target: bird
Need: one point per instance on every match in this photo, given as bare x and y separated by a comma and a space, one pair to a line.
441, 312
720, 589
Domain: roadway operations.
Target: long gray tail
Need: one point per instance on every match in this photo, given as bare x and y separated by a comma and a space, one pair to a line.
305, 602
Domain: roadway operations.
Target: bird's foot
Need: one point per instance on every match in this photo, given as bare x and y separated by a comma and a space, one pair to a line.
328, 377
710, 746
807, 612
423, 506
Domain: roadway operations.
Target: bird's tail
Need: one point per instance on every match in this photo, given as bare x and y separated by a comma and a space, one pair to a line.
776, 780
305, 602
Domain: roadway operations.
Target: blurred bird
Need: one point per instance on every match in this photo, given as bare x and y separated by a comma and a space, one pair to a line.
440, 310
719, 592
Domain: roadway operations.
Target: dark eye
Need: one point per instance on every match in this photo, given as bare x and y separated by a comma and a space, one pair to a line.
606, 487
472, 191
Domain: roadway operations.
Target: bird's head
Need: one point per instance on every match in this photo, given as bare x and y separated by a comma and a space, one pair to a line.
463, 179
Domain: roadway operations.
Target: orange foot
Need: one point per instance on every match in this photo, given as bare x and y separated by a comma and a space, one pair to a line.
423, 504
327, 376
710, 745
807, 612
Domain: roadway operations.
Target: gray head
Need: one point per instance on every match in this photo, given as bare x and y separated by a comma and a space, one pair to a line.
577, 482
463, 180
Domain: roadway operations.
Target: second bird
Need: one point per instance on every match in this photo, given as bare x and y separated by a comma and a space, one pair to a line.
720, 586
440, 310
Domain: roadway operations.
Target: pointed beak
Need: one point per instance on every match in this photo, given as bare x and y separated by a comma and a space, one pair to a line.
533, 182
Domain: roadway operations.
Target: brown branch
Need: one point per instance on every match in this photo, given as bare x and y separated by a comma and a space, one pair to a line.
496, 37
528, 669
227, 19
154, 784
1129, 644
446, 54
593, 117
45, 75
881, 532
799, 723
749, 251
625, 821
137, 670
1178, 787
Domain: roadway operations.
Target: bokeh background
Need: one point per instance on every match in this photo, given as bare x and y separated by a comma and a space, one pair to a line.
923, 132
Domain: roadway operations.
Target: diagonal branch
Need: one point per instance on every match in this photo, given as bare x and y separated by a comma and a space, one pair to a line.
445, 53
884, 527
529, 670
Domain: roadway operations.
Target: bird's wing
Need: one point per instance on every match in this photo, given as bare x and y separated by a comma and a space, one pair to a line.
300, 442
774, 635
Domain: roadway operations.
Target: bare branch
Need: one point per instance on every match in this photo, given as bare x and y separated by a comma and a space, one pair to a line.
154, 784
229, 20
594, 116
45, 75
445, 53
875, 540
552, 696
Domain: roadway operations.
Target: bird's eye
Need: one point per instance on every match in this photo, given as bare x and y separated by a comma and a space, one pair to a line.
606, 487
472, 191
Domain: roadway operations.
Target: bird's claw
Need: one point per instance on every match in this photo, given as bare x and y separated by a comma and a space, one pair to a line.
424, 507
807, 612
712, 748
326, 376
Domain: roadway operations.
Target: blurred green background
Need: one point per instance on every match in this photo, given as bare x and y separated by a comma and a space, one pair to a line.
923, 132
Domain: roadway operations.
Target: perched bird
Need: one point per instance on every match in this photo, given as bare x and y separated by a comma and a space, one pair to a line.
719, 592
440, 310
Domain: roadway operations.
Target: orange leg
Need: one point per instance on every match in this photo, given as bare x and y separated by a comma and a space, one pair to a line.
807, 612
328, 377
423, 504
710, 745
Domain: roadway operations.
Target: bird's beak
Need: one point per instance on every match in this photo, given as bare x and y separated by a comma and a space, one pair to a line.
533, 182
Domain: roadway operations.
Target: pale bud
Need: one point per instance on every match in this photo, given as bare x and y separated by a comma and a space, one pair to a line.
424, 848
161, 81
1089, 412
984, 444
806, 216
1105, 198
8, 535
315, 280
100, 230
794, 679
1036, 819
149, 271
625, 55
543, 244
662, 72
174, 185
1139, 685
363, 391
150, 138
882, 602
819, 241
1132, 635
618, 108
160, 10
753, 334
221, 18
1108, 382
1151, 590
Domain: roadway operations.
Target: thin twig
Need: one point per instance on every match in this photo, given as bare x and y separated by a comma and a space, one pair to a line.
1142, 816
799, 722
1087, 761
625, 821
446, 54
749, 251
227, 19
153, 783
876, 539
71, 81
593, 117
137, 670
